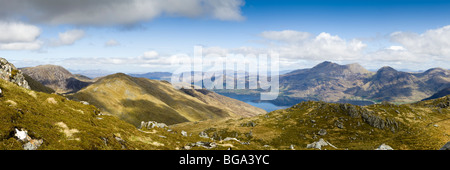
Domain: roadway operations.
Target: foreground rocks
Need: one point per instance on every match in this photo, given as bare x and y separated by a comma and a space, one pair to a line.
446, 146
384, 147
29, 143
319, 144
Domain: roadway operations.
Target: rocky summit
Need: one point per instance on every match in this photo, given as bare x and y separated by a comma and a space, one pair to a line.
10, 73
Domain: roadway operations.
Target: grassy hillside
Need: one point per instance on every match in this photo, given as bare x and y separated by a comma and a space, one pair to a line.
140, 99
64, 124
424, 125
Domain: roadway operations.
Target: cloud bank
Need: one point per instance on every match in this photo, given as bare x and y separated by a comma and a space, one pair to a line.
117, 12
19, 36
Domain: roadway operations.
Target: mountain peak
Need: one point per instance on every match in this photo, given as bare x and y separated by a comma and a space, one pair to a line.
326, 64
357, 68
56, 77
386, 69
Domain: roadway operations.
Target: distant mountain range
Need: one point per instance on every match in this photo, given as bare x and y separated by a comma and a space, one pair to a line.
326, 81
332, 82
155, 75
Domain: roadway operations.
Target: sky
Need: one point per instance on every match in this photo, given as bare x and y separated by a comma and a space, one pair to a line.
138, 36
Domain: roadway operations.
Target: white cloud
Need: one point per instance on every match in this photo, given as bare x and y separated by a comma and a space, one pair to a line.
225, 10
19, 36
34, 45
111, 43
113, 12
68, 38
396, 48
149, 55
18, 32
289, 36
301, 45
434, 42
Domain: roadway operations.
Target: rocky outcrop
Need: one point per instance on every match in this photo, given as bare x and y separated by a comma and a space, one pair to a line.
384, 147
206, 145
10, 73
152, 124
29, 143
319, 144
369, 117
446, 146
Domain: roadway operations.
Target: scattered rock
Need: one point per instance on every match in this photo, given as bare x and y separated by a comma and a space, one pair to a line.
313, 121
51, 100
152, 124
203, 135
384, 147
187, 147
436, 125
248, 124
30, 144
229, 139
184, 133
207, 145
33, 144
84, 102
319, 144
1, 93
121, 141
339, 124
322, 132
292, 147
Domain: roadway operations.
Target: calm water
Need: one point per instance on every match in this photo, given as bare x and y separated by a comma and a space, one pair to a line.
253, 100
266, 106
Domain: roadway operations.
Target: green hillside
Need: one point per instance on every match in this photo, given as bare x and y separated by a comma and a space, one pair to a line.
420, 126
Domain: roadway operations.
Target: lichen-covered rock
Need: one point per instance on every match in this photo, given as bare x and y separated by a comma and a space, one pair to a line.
152, 124
30, 144
446, 146
10, 73
384, 147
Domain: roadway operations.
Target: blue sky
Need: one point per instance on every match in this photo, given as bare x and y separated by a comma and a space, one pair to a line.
119, 37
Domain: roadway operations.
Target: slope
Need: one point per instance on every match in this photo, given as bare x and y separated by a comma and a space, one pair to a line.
439, 94
420, 126
140, 99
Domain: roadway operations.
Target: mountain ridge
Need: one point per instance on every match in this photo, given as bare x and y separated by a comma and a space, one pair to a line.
332, 82
140, 99
56, 77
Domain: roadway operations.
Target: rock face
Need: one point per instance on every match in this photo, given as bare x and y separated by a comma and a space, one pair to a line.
30, 144
446, 146
319, 144
152, 124
10, 73
384, 147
